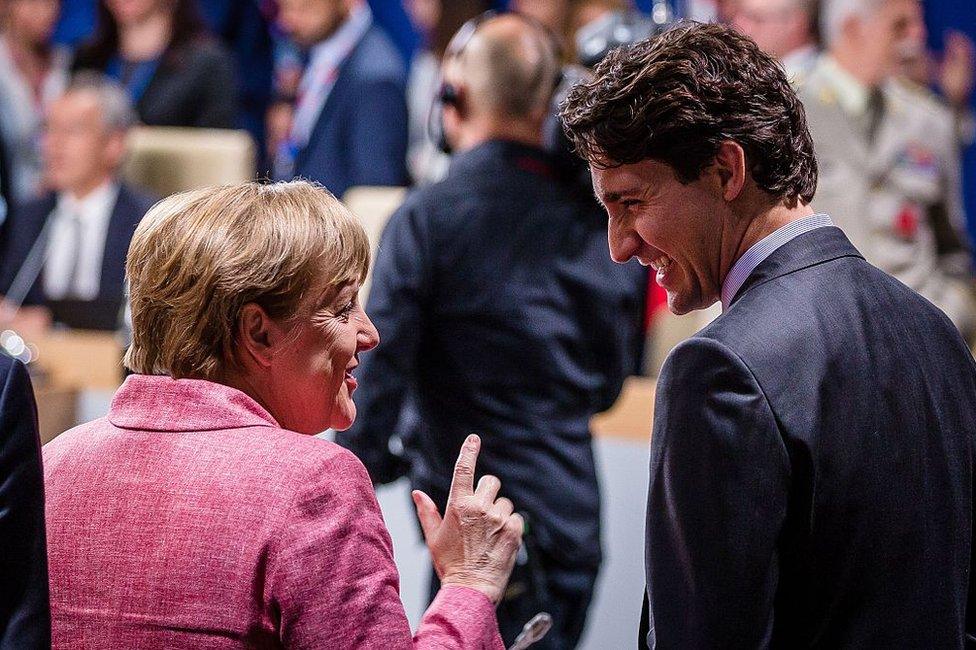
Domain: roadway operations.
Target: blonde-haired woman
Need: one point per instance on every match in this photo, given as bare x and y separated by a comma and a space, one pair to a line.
200, 512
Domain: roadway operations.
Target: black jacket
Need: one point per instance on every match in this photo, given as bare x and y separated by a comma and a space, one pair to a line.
193, 85
500, 310
25, 619
812, 465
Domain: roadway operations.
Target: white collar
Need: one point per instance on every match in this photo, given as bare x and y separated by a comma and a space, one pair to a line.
852, 95
97, 203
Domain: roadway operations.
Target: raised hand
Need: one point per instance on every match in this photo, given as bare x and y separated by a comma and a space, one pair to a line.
475, 543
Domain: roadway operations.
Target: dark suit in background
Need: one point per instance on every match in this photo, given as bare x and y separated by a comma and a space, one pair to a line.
502, 313
26, 227
25, 619
812, 465
360, 137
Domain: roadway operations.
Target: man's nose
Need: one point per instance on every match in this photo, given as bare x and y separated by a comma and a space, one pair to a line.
623, 244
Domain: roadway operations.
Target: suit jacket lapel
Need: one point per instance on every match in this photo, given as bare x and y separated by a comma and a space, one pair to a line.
116, 245
809, 249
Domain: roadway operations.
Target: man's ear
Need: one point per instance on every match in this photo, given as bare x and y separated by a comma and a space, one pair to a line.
730, 165
256, 335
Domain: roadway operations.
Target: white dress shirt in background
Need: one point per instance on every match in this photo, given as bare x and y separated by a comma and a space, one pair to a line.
78, 233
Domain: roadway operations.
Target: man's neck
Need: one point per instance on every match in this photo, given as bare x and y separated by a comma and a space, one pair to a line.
474, 134
849, 61
763, 223
83, 190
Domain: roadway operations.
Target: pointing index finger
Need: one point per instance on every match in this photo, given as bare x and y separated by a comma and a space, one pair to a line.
462, 484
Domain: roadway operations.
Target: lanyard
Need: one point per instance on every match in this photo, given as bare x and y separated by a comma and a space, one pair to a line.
135, 76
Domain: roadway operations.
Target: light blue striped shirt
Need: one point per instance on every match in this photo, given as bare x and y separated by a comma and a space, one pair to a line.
763, 248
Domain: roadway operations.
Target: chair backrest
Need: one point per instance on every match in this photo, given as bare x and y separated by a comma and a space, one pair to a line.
373, 206
172, 159
667, 330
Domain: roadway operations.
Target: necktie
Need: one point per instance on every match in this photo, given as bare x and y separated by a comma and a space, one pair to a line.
74, 268
875, 113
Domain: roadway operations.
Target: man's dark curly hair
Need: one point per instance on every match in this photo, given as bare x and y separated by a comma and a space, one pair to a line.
676, 97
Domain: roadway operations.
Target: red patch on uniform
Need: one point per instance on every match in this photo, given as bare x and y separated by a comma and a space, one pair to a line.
906, 221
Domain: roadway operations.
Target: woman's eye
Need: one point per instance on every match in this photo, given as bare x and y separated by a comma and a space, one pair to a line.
346, 310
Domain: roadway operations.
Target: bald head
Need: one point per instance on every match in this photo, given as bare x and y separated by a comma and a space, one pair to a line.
508, 68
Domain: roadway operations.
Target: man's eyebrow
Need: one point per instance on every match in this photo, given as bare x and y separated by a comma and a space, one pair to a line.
613, 197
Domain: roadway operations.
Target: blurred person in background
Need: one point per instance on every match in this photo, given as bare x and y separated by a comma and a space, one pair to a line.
435, 22
159, 50
244, 26
348, 124
585, 12
554, 14
502, 314
70, 244
889, 165
25, 618
202, 511
786, 29
32, 73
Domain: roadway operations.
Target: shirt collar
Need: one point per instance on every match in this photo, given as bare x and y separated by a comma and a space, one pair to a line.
334, 49
160, 403
762, 249
852, 95
97, 203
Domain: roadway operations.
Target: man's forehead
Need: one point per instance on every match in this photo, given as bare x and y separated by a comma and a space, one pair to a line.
624, 180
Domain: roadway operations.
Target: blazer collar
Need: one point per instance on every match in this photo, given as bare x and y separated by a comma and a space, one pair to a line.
158, 403
809, 249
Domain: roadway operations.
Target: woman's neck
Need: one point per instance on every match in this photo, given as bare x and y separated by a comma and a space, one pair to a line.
147, 38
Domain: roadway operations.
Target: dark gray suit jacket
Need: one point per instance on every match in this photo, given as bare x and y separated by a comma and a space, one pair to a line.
812, 465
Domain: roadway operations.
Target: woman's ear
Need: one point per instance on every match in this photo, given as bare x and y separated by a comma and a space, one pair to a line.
256, 335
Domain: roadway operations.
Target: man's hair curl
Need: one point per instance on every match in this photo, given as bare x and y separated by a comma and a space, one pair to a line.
676, 97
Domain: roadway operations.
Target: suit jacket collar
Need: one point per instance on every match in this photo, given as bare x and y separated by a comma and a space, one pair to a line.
117, 237
809, 249
160, 403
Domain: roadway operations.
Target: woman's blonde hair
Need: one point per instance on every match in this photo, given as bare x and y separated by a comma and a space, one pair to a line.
198, 257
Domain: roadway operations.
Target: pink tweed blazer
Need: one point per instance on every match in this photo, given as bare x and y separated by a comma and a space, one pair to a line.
188, 518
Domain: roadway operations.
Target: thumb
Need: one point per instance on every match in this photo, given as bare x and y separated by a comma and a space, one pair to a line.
430, 519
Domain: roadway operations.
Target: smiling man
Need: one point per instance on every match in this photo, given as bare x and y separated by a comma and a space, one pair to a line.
811, 464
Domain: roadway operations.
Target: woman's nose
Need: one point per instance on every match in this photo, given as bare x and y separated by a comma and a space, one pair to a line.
368, 338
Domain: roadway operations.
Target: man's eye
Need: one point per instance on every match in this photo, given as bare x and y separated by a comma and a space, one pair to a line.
628, 203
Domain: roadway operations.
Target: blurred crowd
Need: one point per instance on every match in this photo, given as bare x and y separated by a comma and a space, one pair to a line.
324, 91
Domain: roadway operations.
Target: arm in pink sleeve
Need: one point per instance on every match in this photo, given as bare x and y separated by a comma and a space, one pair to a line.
332, 580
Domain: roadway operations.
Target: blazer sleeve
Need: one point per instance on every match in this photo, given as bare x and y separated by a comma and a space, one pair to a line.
397, 304
333, 580
717, 502
25, 620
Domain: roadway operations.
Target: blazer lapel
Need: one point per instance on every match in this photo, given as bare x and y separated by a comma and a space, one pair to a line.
809, 249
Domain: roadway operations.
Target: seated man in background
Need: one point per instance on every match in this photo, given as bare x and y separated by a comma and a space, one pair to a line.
786, 29
348, 125
502, 314
889, 164
70, 244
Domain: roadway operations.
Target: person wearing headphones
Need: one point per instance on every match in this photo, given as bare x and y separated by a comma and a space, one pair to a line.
502, 315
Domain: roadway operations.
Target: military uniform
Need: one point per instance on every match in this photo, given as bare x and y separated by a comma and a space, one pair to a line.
889, 177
